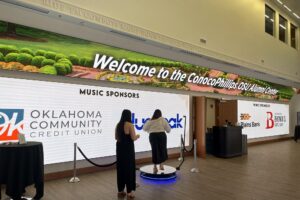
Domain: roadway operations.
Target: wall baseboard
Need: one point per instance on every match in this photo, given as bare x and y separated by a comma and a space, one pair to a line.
269, 141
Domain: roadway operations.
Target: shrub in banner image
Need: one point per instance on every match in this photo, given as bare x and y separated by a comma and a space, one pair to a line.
11, 57
89, 62
50, 55
60, 56
68, 63
40, 53
61, 68
37, 61
74, 59
48, 69
27, 50
1, 57
48, 62
67, 66
6, 49
24, 58
82, 61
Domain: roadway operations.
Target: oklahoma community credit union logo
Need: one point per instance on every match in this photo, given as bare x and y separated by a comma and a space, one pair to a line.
11, 123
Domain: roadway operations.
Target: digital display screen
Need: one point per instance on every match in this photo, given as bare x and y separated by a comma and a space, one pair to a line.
260, 119
60, 114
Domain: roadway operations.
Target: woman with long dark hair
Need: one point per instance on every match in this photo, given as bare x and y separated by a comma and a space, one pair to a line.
157, 126
125, 136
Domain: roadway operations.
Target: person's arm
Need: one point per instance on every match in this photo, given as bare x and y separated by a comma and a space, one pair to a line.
132, 133
166, 125
146, 126
116, 137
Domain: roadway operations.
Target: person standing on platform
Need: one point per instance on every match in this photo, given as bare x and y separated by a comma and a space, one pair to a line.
157, 126
125, 136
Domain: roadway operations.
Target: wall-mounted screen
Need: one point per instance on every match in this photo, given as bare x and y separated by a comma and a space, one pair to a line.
28, 49
59, 114
260, 119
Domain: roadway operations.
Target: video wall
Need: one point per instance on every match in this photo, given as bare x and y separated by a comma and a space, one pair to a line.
59, 114
260, 119
32, 50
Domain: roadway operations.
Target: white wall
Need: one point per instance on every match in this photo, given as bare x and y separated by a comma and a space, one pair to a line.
234, 29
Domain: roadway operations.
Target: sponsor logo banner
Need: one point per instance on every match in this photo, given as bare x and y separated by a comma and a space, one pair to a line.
263, 119
59, 114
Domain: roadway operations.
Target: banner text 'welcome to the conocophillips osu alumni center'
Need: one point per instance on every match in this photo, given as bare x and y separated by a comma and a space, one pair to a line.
108, 62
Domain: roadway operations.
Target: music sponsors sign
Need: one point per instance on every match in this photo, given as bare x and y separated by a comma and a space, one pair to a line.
260, 119
59, 114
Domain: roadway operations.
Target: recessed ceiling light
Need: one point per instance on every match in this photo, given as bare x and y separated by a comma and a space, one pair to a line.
296, 15
287, 8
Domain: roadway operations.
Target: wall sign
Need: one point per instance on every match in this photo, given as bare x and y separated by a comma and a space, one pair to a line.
59, 114
261, 119
33, 50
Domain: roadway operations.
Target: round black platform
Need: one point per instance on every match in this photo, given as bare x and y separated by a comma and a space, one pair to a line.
166, 174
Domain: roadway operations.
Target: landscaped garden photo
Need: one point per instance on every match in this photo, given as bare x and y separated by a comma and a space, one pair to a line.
32, 50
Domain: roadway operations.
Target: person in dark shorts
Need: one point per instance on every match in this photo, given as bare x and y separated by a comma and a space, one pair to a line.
125, 136
157, 126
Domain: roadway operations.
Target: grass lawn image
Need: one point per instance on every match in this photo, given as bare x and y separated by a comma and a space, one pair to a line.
28, 49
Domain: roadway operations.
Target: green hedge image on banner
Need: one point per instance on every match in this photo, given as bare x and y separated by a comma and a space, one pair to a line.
40, 53
48, 62
50, 55
89, 62
60, 56
74, 59
6, 49
62, 68
37, 61
48, 69
24, 58
1, 57
11, 57
27, 50
82, 61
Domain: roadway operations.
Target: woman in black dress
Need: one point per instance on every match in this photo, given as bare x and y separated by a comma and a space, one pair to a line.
157, 126
125, 136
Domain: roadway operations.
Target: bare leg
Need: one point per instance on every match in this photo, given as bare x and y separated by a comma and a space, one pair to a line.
161, 166
130, 195
155, 170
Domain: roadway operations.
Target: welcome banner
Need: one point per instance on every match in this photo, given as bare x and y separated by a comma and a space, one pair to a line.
28, 49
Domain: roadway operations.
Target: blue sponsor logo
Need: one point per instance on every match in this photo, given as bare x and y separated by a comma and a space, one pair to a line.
174, 122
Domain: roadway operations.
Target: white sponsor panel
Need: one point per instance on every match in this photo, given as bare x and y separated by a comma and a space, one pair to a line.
261, 119
59, 114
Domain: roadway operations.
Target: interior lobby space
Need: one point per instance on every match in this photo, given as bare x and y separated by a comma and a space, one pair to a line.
149, 100
269, 171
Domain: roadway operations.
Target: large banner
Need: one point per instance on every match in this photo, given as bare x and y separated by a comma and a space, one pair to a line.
59, 114
260, 119
32, 50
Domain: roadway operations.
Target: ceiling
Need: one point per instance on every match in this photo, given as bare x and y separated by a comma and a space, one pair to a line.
294, 5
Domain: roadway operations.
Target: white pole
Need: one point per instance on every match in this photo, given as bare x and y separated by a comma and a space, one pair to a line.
195, 169
74, 179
